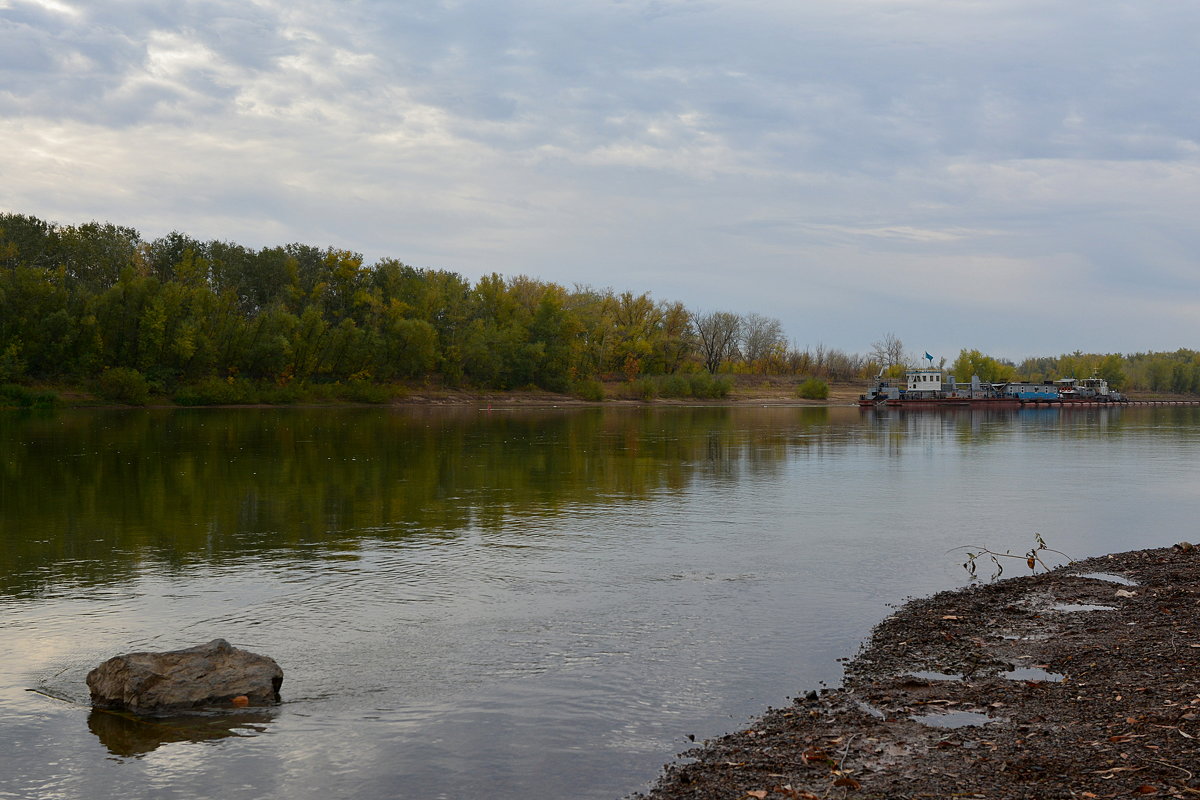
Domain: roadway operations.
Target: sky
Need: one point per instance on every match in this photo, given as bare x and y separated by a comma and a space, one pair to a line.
1012, 176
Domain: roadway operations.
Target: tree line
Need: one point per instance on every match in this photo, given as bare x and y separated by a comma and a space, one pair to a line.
77, 301
1175, 372
91, 302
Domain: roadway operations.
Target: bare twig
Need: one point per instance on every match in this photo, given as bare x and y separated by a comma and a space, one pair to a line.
1032, 558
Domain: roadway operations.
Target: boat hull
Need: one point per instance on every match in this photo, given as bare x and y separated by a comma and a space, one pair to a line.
981, 402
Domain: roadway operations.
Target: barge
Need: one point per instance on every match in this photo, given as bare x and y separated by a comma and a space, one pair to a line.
926, 387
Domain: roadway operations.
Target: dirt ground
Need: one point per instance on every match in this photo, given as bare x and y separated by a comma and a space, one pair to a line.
1020, 688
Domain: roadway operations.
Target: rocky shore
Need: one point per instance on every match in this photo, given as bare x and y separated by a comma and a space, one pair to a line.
1082, 682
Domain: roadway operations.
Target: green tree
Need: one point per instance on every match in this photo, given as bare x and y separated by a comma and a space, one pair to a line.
990, 370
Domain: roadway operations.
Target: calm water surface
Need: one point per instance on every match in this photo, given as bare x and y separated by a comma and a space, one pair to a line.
511, 604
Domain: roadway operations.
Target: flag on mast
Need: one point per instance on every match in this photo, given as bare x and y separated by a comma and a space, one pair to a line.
929, 357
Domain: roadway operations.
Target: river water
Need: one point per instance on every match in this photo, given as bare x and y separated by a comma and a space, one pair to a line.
509, 603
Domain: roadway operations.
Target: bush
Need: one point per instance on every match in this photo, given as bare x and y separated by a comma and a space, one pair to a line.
217, 392
644, 389
276, 394
363, 391
12, 394
123, 385
813, 389
705, 385
676, 386
591, 390
699, 384
44, 399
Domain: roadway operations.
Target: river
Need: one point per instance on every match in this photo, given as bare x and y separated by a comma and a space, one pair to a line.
524, 603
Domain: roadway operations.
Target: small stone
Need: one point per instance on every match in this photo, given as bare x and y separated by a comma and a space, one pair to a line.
210, 674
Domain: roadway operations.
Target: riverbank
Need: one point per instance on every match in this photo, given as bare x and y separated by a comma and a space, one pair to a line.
1082, 682
745, 390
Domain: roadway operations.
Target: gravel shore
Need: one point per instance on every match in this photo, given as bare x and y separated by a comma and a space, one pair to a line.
1081, 682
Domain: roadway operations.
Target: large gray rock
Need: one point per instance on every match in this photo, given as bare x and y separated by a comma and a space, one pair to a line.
206, 675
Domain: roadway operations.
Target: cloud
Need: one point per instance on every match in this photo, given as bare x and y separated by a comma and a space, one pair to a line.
763, 155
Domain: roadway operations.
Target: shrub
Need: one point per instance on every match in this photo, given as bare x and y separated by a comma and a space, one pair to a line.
123, 385
644, 389
813, 389
364, 391
705, 385
12, 394
591, 390
217, 392
676, 386
699, 384
277, 394
44, 399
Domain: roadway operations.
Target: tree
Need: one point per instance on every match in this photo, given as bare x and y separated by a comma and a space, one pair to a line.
990, 370
1111, 370
676, 339
761, 340
717, 332
888, 351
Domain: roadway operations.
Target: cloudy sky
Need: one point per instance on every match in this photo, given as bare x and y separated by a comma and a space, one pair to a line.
1015, 176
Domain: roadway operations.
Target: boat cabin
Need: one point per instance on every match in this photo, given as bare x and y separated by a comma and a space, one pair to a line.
924, 379
1094, 386
1030, 390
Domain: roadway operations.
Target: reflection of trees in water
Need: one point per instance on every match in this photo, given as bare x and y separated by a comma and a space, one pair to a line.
975, 428
88, 495
129, 736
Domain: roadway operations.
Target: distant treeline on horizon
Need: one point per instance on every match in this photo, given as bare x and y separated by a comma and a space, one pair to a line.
79, 301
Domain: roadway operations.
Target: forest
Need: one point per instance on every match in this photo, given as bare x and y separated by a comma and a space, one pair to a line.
95, 305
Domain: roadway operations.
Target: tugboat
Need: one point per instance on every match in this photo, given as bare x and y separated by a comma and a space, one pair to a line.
1089, 390
926, 387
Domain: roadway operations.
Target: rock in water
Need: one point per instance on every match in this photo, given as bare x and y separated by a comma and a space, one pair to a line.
205, 675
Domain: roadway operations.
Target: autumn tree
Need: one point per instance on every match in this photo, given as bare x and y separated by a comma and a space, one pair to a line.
717, 337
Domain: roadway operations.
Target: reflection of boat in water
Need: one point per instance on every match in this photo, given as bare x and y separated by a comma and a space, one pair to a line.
927, 387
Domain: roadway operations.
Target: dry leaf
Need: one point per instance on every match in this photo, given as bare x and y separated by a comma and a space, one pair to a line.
1125, 593
759, 793
848, 782
1146, 788
951, 616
